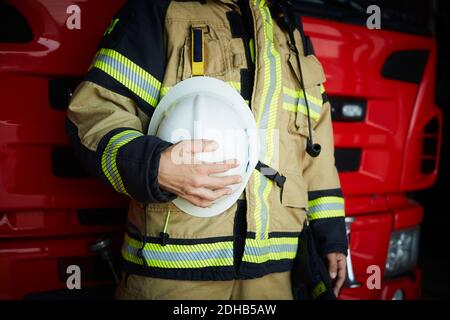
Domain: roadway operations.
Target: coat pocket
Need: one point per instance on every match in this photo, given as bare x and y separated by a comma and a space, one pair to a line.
217, 56
290, 207
294, 192
180, 225
295, 100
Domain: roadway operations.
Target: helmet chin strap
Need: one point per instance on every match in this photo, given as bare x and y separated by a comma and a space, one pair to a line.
282, 11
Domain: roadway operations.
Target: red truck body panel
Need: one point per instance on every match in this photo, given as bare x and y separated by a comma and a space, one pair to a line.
45, 221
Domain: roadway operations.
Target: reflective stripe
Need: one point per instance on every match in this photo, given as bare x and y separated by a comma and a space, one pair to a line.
179, 256
235, 85
294, 101
271, 249
266, 118
164, 91
125, 71
299, 101
298, 93
251, 46
326, 207
109, 157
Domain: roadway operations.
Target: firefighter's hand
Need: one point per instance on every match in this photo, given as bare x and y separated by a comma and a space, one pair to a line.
337, 267
192, 180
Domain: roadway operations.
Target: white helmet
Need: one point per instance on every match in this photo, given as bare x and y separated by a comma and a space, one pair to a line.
207, 108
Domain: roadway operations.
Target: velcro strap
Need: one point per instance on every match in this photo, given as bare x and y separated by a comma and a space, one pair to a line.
198, 51
271, 174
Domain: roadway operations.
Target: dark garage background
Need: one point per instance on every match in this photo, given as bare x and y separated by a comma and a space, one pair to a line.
435, 241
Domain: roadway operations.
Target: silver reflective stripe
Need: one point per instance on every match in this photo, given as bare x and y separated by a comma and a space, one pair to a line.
109, 161
135, 78
258, 251
182, 256
301, 100
325, 207
264, 122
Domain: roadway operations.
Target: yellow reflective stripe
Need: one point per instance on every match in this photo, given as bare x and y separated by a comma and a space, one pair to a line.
179, 248
326, 214
270, 249
251, 46
164, 91
299, 93
294, 101
302, 109
291, 92
125, 71
257, 178
180, 256
326, 207
271, 241
235, 85
109, 156
155, 263
323, 200
130, 257
266, 117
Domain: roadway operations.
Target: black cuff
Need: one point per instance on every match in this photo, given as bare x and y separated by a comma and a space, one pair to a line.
138, 163
330, 235
159, 194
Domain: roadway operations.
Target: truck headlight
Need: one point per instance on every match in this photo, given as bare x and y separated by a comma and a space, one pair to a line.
403, 251
352, 111
347, 109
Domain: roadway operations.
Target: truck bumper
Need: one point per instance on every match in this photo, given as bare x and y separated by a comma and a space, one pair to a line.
370, 230
407, 287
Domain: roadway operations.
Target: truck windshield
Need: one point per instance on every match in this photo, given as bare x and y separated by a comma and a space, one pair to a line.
410, 16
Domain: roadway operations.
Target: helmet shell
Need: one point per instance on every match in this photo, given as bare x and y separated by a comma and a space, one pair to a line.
208, 108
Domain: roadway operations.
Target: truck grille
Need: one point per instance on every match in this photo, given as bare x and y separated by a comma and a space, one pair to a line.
430, 147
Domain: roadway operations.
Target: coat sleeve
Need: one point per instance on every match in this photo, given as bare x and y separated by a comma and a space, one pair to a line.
110, 110
326, 211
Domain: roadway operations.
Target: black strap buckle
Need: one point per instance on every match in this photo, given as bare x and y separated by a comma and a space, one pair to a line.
279, 179
164, 237
271, 174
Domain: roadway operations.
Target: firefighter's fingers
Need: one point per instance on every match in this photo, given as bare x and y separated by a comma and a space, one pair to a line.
221, 182
194, 146
220, 167
332, 265
197, 201
209, 195
342, 269
184, 151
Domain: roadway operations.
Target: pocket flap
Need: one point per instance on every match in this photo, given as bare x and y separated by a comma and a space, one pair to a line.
294, 193
312, 70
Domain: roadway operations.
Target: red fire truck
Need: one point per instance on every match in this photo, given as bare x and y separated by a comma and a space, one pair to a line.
387, 135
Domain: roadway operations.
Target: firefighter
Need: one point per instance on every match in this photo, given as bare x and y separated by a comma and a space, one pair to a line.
256, 248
